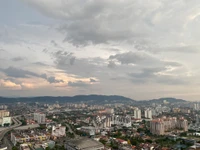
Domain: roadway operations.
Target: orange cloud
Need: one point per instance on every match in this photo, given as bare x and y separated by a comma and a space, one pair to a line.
10, 85
27, 86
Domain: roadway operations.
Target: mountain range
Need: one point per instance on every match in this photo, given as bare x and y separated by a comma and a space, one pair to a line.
90, 99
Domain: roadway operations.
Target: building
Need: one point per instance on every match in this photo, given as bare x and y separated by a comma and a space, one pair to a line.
90, 130
24, 147
5, 121
157, 127
137, 113
162, 125
148, 113
121, 120
4, 113
39, 117
197, 120
29, 136
196, 106
59, 131
83, 144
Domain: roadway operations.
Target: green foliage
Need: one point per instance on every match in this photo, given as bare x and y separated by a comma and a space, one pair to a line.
23, 122
183, 134
71, 135
58, 147
136, 141
14, 148
103, 141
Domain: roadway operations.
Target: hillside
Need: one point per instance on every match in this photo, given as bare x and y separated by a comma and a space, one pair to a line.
161, 100
92, 99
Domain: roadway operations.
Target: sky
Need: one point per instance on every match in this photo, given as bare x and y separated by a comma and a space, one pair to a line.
141, 49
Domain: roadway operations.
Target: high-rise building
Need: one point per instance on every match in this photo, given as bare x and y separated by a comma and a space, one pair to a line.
157, 127
196, 106
4, 113
162, 125
137, 113
39, 117
148, 113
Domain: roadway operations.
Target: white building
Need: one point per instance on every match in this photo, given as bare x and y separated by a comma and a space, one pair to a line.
39, 117
121, 120
148, 113
196, 106
5, 120
137, 113
59, 131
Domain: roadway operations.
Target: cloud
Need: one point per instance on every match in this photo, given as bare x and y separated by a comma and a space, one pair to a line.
53, 80
155, 75
40, 64
18, 58
98, 21
63, 58
20, 73
10, 85
78, 84
111, 64
92, 80
133, 58
138, 21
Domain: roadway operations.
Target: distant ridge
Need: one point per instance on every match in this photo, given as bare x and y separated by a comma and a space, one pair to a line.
161, 100
90, 99
97, 99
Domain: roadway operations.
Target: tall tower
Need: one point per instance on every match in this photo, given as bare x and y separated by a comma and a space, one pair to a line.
148, 113
137, 113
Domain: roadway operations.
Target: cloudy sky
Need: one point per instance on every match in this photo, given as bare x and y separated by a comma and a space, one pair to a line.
141, 49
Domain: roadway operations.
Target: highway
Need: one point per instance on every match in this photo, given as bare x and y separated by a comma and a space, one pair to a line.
17, 123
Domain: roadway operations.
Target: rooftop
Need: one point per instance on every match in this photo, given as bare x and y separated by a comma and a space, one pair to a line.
84, 143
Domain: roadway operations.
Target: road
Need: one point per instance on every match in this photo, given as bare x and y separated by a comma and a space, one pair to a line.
17, 123
71, 131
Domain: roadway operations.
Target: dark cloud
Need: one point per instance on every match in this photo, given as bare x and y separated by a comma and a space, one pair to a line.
40, 64
54, 80
133, 58
111, 64
72, 60
151, 75
92, 80
18, 58
20, 73
78, 84
63, 58
54, 43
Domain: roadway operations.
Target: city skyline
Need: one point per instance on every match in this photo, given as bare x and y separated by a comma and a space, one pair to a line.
139, 49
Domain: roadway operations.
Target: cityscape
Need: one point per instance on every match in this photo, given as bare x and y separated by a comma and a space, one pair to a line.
160, 124
99, 75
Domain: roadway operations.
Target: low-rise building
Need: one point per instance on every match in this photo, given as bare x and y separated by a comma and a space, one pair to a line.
83, 144
58, 131
29, 136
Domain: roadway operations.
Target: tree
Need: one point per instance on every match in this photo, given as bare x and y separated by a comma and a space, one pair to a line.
103, 141
129, 142
14, 148
47, 148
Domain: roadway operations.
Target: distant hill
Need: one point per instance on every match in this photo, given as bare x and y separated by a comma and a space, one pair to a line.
92, 99
161, 100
